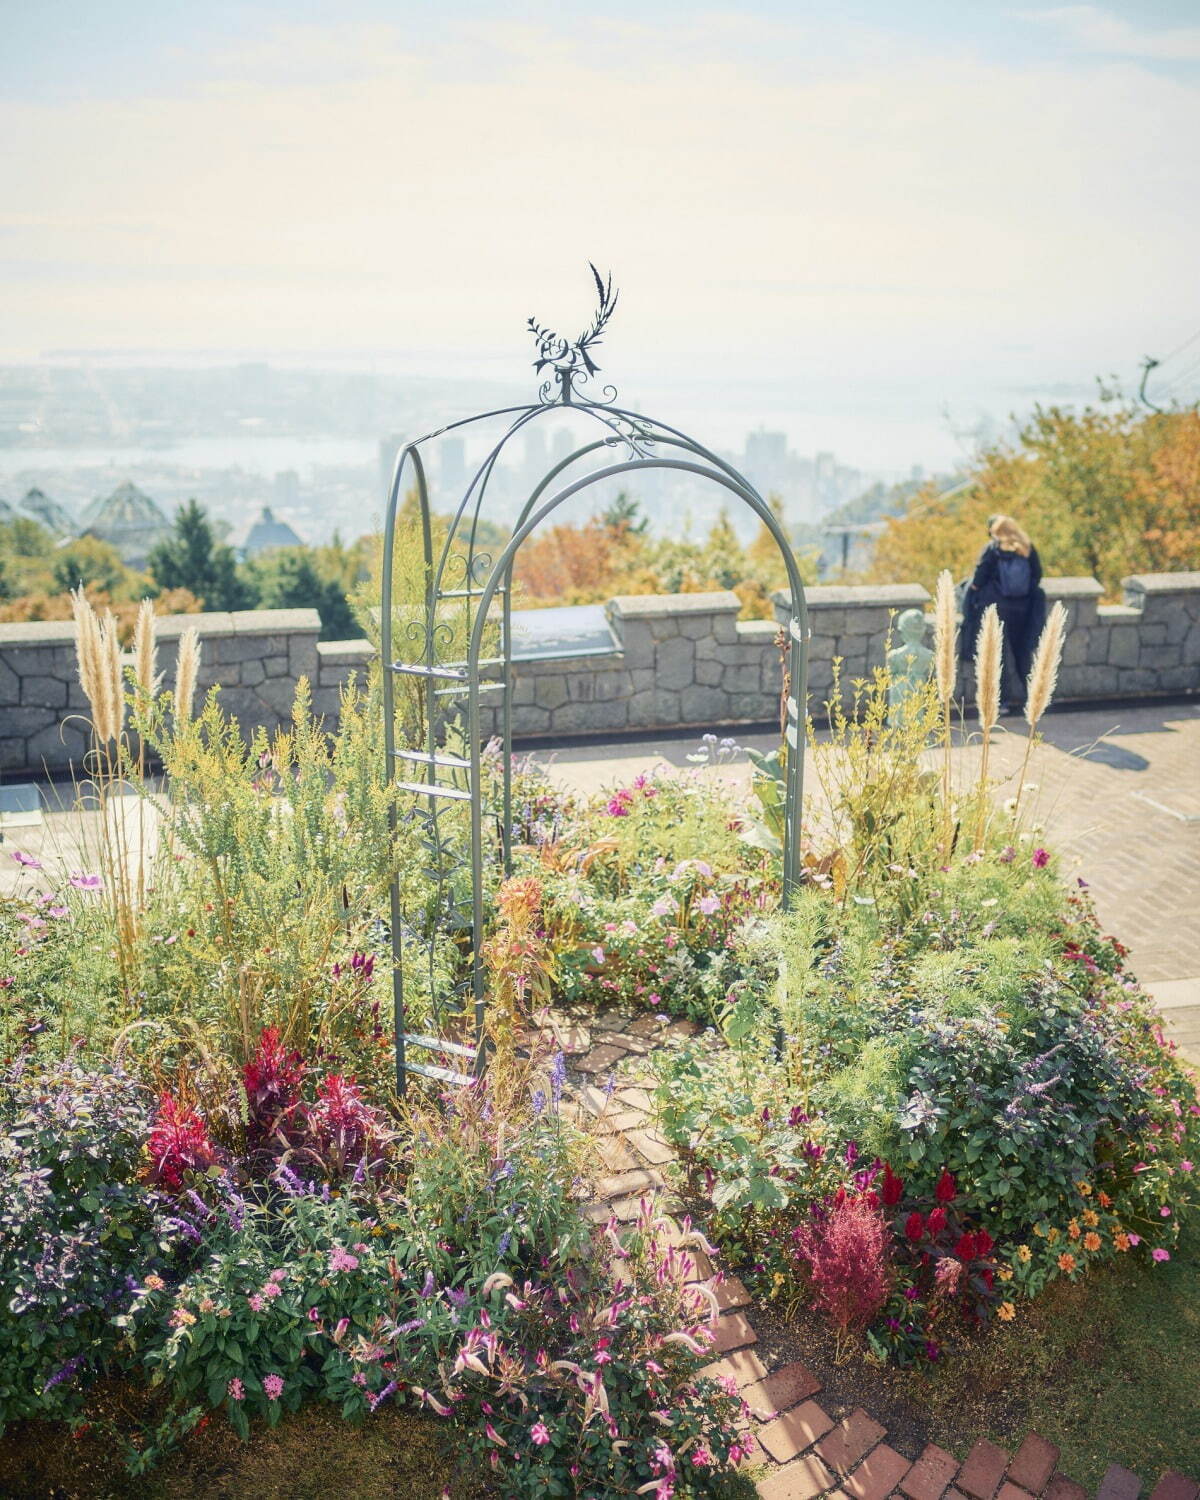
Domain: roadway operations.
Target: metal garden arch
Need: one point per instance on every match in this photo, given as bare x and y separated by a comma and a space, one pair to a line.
442, 657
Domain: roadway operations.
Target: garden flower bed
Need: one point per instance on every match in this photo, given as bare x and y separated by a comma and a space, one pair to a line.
909, 1103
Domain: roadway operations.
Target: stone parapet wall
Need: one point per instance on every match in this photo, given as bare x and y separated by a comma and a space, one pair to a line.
257, 656
677, 661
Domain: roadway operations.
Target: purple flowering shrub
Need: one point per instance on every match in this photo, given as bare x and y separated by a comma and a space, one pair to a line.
75, 1220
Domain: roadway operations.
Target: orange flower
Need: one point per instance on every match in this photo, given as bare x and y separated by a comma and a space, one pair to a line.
1091, 1219
1105, 1200
1091, 1241
1006, 1311
1024, 1254
1052, 1237
1121, 1240
1073, 1229
1066, 1262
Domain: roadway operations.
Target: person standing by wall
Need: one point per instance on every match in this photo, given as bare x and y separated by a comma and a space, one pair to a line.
1008, 575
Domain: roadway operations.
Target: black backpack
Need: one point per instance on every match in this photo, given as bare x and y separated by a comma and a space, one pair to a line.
1014, 574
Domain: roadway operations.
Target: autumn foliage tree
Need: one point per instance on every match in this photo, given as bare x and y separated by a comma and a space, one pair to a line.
1107, 491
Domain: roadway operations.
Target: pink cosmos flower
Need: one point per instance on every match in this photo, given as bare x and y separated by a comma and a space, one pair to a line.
26, 859
236, 1389
1185, 1165
663, 907
1040, 859
1160, 1254
84, 882
273, 1386
708, 905
540, 1434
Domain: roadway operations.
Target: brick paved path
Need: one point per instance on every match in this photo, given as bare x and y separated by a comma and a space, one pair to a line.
800, 1449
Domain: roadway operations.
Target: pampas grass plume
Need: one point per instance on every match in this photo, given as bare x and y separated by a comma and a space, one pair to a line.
114, 682
988, 658
89, 655
186, 669
1043, 678
144, 650
944, 630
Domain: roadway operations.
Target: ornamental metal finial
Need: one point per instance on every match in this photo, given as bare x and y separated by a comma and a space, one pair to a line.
572, 361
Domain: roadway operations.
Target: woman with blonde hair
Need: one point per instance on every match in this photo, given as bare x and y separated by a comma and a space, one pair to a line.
1008, 575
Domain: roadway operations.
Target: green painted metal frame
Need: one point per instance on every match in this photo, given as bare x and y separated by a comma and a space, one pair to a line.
647, 443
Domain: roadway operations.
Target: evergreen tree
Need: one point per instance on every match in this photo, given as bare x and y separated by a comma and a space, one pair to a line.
190, 557
288, 578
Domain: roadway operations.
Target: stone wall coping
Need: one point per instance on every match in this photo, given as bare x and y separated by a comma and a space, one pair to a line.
843, 595
651, 606
206, 624
1072, 588
754, 631
275, 621
1113, 612
37, 633
335, 653
1163, 583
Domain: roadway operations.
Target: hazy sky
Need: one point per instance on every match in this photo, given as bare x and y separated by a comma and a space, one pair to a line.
890, 191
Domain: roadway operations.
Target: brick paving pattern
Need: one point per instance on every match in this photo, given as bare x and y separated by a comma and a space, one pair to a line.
801, 1451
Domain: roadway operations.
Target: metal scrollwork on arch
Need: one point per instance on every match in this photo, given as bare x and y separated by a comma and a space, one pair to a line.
456, 658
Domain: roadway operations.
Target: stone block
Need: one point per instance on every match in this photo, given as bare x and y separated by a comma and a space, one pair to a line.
44, 692
530, 719
675, 662
609, 687
708, 672
655, 707
1182, 679
523, 691
581, 686
753, 708
663, 627
575, 717
244, 705
1154, 657
853, 1436
703, 705
28, 719
1123, 646
1137, 680
10, 684
303, 660
239, 648
12, 755
35, 661
18, 634
1080, 595
252, 672
276, 666
1097, 646
551, 692
208, 625
275, 696
1075, 647
980, 1476
56, 745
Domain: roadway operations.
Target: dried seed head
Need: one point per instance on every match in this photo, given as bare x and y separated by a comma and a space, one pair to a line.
944, 633
1043, 678
89, 654
113, 678
144, 650
988, 658
186, 669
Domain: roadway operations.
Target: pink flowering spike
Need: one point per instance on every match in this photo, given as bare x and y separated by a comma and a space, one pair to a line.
273, 1386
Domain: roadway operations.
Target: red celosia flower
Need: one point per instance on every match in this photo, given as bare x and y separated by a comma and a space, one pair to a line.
178, 1143
847, 1255
272, 1080
914, 1226
965, 1249
983, 1242
937, 1221
946, 1190
893, 1187
346, 1130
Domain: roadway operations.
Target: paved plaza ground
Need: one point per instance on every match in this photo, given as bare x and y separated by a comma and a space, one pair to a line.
1117, 790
